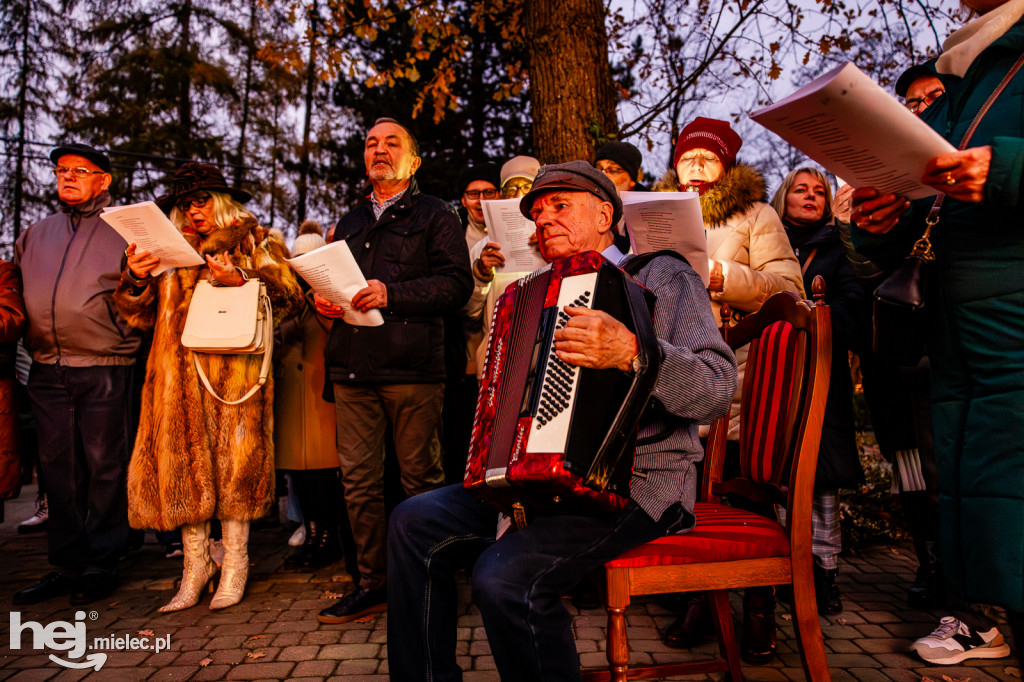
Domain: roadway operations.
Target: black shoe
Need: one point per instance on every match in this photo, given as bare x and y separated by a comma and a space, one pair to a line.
830, 602
93, 587
693, 627
928, 591
356, 604
758, 643
55, 584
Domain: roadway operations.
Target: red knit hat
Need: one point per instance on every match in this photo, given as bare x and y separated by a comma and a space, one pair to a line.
711, 134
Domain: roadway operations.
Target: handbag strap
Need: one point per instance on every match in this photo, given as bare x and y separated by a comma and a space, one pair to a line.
268, 348
923, 246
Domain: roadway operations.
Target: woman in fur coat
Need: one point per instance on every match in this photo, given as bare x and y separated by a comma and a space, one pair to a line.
196, 457
750, 259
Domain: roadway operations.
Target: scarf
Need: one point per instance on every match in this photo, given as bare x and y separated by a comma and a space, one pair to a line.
961, 48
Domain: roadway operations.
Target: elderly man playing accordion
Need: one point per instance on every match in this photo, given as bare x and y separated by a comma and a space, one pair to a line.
519, 575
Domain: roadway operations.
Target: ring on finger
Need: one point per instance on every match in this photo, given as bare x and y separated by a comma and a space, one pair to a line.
950, 180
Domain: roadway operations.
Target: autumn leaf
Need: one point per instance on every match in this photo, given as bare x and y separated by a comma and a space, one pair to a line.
1012, 671
257, 637
365, 619
113, 604
256, 654
146, 633
205, 662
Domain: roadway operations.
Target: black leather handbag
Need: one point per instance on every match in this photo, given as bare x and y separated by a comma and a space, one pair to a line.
899, 311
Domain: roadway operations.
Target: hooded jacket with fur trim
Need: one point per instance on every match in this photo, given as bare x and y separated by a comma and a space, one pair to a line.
196, 458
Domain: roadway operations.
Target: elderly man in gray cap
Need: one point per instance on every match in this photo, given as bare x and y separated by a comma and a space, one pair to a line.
80, 384
519, 577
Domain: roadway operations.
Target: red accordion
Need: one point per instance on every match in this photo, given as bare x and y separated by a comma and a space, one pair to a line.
548, 435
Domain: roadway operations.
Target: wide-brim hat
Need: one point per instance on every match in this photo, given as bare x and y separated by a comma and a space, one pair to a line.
573, 176
194, 177
85, 151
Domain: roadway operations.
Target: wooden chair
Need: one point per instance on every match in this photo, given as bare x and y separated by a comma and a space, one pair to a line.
781, 413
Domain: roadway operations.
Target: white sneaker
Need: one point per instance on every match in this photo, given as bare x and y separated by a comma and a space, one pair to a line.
298, 537
954, 641
37, 522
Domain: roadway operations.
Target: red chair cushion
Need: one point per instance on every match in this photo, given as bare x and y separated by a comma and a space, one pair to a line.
722, 533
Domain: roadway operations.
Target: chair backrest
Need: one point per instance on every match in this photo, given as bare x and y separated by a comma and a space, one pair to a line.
782, 401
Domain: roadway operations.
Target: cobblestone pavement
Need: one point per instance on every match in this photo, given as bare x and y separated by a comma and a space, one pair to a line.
273, 634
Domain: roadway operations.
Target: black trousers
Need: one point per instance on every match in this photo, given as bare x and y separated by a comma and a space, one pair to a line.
86, 432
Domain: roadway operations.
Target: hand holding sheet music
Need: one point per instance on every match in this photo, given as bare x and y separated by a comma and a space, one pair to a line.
333, 272
507, 226
150, 230
668, 220
854, 128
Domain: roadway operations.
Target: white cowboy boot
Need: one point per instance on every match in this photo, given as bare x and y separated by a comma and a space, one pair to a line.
199, 568
236, 564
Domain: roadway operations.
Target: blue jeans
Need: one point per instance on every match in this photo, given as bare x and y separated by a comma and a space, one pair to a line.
86, 433
517, 582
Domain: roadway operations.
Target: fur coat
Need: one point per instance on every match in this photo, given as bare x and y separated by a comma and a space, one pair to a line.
196, 458
746, 235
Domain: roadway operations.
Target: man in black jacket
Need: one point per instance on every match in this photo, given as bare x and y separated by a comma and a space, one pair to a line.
412, 251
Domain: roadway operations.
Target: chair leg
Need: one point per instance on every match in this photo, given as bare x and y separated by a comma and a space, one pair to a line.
808, 626
727, 644
618, 645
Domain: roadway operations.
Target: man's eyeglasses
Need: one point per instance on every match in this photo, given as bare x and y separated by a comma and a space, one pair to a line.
915, 103
474, 194
75, 172
612, 170
198, 201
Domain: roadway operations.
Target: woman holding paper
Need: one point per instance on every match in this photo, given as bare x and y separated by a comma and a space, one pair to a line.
195, 457
976, 325
750, 259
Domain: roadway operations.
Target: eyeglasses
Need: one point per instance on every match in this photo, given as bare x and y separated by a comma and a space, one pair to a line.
700, 159
198, 201
513, 189
915, 103
612, 170
474, 194
76, 172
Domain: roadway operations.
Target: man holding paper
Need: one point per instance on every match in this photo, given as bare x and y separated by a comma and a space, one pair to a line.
412, 251
81, 378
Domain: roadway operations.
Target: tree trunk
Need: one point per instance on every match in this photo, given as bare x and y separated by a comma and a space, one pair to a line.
310, 84
19, 161
247, 95
572, 95
185, 81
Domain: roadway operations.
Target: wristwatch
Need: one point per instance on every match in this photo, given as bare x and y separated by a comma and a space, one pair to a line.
636, 364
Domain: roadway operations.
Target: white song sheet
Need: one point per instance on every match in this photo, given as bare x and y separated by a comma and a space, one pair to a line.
510, 228
333, 272
668, 220
851, 126
150, 230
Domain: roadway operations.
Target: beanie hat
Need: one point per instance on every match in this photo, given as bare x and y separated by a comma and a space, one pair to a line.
711, 134
520, 167
488, 172
624, 154
305, 243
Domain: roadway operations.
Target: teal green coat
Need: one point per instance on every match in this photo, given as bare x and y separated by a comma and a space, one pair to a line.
977, 334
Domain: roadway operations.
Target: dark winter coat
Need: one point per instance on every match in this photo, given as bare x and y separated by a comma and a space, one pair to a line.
976, 334
418, 250
196, 458
12, 323
838, 458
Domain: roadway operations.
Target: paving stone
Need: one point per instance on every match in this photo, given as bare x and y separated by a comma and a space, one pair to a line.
257, 671
358, 666
340, 652
299, 653
174, 673
318, 669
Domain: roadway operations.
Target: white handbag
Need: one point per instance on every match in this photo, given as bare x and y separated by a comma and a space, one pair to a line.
230, 320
